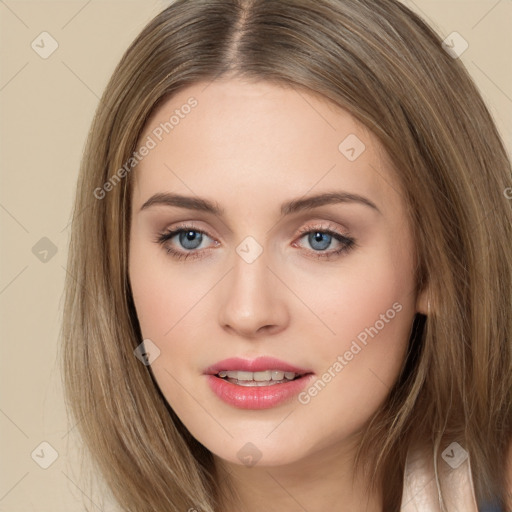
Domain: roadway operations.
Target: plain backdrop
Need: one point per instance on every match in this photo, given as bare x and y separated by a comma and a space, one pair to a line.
46, 107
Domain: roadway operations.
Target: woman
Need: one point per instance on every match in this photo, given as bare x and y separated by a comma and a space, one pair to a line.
292, 234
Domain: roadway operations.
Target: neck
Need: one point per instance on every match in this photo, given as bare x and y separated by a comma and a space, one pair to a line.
323, 480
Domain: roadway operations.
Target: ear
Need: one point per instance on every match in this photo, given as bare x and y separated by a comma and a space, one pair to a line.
422, 301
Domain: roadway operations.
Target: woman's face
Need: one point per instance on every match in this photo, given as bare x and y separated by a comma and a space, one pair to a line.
261, 269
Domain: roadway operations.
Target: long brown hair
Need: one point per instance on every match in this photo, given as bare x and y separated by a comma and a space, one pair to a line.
384, 65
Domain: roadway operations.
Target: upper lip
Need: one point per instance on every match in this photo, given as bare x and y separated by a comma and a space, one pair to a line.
254, 365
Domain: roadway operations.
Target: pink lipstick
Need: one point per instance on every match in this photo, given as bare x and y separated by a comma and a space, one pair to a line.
259, 383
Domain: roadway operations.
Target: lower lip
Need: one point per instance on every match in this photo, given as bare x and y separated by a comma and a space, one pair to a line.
256, 397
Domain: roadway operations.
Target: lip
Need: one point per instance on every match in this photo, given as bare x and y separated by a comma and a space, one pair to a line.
256, 397
259, 364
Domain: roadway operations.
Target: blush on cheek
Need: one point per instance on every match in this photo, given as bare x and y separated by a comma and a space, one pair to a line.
156, 300
376, 340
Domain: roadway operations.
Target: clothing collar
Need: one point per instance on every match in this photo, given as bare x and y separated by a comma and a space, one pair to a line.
420, 492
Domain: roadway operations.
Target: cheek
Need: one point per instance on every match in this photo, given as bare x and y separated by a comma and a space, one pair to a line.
170, 302
165, 299
354, 296
367, 312
162, 291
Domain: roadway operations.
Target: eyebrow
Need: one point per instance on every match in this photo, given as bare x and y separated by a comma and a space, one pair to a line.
288, 208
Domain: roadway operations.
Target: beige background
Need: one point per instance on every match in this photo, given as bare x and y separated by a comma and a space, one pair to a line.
46, 109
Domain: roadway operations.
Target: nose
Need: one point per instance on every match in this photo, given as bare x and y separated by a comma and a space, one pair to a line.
253, 300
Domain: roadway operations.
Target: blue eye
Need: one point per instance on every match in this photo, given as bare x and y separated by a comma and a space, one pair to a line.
190, 239
321, 239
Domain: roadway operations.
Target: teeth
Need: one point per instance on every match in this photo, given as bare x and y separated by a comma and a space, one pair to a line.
266, 376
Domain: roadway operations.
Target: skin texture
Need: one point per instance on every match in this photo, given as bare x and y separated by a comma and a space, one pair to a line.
249, 147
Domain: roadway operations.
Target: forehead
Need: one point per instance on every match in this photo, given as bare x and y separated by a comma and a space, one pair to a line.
254, 140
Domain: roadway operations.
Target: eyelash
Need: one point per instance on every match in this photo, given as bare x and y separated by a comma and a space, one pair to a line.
348, 243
